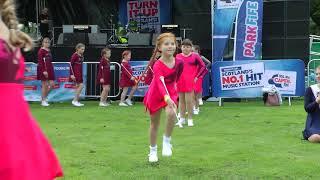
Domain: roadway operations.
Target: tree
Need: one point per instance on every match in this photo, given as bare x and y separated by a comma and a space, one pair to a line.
315, 17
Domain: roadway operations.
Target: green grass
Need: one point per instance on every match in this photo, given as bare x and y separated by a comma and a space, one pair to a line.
238, 141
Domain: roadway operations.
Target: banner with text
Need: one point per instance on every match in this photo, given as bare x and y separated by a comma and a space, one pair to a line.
138, 67
147, 15
248, 34
63, 90
241, 79
241, 76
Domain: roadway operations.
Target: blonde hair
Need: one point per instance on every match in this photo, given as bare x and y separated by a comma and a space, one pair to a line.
9, 17
79, 45
46, 38
104, 51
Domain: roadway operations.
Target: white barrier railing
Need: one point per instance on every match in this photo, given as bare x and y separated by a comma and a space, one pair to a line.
93, 91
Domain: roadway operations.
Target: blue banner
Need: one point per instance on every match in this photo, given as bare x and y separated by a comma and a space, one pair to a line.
32, 87
138, 67
245, 79
223, 16
63, 90
248, 33
145, 14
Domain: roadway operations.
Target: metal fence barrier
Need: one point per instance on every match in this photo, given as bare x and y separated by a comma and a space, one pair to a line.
93, 90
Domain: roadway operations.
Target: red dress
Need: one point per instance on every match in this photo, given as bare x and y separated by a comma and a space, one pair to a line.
125, 78
193, 67
104, 71
45, 64
76, 67
154, 98
198, 85
25, 153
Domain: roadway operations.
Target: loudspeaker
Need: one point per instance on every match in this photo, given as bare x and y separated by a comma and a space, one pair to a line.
98, 39
173, 28
286, 29
80, 28
139, 39
60, 39
72, 39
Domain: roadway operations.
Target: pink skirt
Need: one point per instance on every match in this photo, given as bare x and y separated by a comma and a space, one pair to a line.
25, 153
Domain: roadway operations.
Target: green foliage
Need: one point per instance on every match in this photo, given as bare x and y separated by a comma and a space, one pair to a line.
315, 16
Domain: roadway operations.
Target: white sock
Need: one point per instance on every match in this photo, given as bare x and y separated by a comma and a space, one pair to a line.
154, 147
166, 139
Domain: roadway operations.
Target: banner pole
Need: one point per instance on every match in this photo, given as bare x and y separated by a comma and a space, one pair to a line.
236, 32
289, 99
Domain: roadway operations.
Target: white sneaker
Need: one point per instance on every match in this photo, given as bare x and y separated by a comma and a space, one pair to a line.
77, 103
102, 104
45, 104
166, 147
190, 123
123, 104
153, 157
180, 122
129, 102
183, 121
196, 111
200, 102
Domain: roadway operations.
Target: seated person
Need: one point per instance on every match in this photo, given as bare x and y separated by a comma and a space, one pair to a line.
311, 106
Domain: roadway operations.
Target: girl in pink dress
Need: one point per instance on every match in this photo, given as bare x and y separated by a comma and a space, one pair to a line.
103, 77
198, 86
25, 153
192, 71
45, 71
127, 80
157, 98
76, 72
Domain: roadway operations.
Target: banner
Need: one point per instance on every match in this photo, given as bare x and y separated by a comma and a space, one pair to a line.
138, 67
228, 4
241, 76
223, 16
63, 90
282, 80
248, 34
147, 15
32, 87
245, 79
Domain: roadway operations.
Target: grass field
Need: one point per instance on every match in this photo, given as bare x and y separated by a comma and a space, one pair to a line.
238, 141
